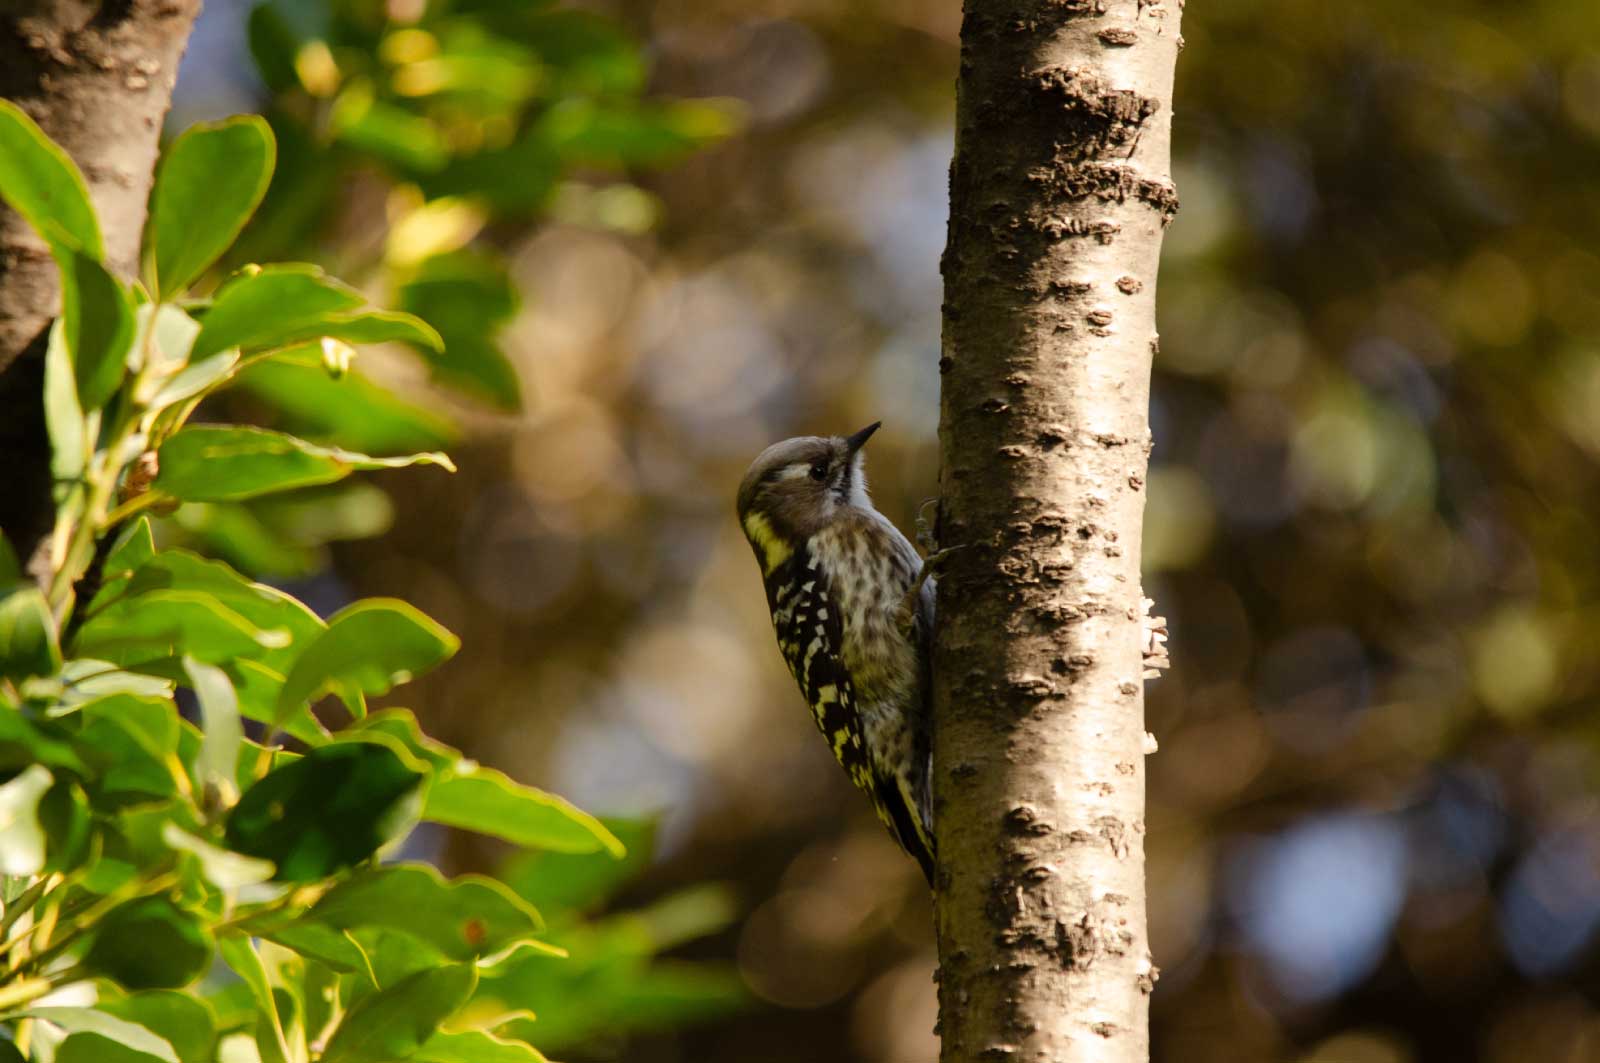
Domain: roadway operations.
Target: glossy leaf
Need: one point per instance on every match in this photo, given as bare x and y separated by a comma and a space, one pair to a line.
368, 648
97, 1048
213, 463
116, 1030
63, 415
270, 307
150, 943
98, 320
467, 297
64, 814
467, 917
475, 1046
160, 623
22, 837
28, 644
380, 326
164, 340
393, 1023
130, 741
234, 532
489, 802
207, 185
240, 955
219, 716
268, 608
223, 868
349, 412
23, 742
328, 810
258, 686
41, 183
135, 546
192, 380
183, 1021
336, 948
574, 881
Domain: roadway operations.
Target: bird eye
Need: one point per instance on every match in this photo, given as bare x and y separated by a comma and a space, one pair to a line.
819, 470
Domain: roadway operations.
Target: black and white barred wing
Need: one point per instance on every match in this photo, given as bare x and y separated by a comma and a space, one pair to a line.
811, 636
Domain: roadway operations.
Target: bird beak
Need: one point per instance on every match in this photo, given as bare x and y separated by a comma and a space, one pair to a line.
857, 441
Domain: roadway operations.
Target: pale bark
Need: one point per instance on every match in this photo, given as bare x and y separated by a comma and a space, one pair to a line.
1060, 193
97, 75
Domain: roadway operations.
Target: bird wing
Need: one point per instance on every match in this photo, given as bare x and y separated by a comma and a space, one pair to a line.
811, 635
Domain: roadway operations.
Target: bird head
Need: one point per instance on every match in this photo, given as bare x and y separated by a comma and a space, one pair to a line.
796, 487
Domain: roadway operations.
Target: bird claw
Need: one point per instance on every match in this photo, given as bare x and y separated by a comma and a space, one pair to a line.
927, 541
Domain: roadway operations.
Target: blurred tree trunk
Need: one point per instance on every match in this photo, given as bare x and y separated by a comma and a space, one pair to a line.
97, 76
1059, 195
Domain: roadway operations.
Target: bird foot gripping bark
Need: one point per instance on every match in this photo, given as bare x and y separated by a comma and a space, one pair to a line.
1154, 641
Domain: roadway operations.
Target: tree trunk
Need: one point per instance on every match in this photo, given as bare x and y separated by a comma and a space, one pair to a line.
97, 76
1059, 195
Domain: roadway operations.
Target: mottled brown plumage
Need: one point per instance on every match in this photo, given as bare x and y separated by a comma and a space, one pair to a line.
852, 621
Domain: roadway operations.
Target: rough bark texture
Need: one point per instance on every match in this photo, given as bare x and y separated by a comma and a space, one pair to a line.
97, 76
1059, 193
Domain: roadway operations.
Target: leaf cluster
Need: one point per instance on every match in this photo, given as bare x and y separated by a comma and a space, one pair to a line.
217, 876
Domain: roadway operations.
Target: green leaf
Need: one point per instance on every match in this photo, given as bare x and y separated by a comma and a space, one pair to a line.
222, 868
489, 802
194, 379
219, 715
393, 1024
241, 956
213, 463
97, 1048
150, 943
130, 741
381, 326
23, 742
42, 184
98, 318
64, 815
409, 141
136, 546
163, 341
475, 1046
22, 838
369, 647
234, 531
208, 184
271, 307
120, 1031
88, 679
268, 608
161, 623
257, 686
467, 917
185, 1022
467, 296
349, 412
336, 948
575, 881
330, 809
69, 437
27, 635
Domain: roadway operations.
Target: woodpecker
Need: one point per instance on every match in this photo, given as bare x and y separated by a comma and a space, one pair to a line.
852, 606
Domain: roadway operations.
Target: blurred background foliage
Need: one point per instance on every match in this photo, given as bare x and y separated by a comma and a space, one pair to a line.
1372, 833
